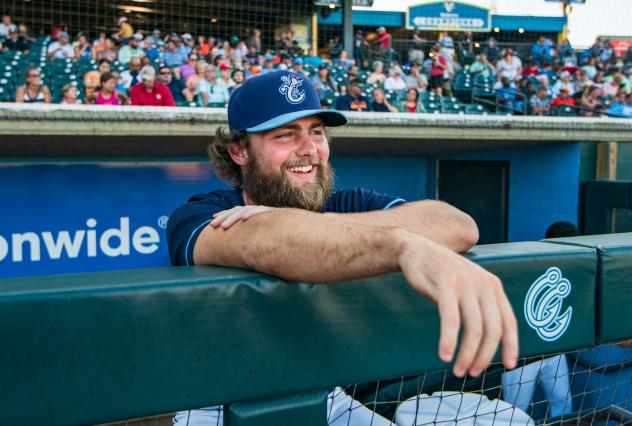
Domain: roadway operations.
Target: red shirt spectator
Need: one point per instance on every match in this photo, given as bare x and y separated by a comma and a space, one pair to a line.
563, 99
150, 92
384, 38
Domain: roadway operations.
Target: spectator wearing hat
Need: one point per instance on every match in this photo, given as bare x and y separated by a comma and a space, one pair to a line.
176, 86
155, 38
415, 79
380, 103
540, 102
71, 95
151, 92
297, 67
61, 49
353, 100
268, 64
564, 83
131, 77
187, 44
312, 58
172, 56
563, 98
6, 25
323, 81
209, 90
126, 31
132, 50
225, 77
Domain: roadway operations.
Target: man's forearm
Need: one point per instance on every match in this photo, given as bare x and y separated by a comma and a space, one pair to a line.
435, 220
300, 245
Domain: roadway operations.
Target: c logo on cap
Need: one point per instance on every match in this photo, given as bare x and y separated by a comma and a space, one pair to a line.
290, 88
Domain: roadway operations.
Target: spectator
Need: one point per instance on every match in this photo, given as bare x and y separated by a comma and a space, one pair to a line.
225, 77
297, 67
132, 50
176, 86
581, 81
61, 28
107, 94
539, 52
193, 81
255, 41
531, 70
611, 88
482, 66
353, 100
238, 78
335, 47
126, 31
590, 102
411, 103
323, 82
380, 103
187, 44
172, 56
188, 68
591, 67
33, 91
209, 91
83, 49
491, 50
14, 42
151, 92
92, 80
509, 66
268, 64
439, 65
98, 45
359, 45
155, 39
416, 51
622, 108
120, 88
294, 49
131, 77
540, 102
109, 52
150, 49
71, 95
343, 61
507, 96
446, 46
415, 79
377, 76
564, 83
563, 99
204, 47
61, 49
252, 56
567, 54
383, 39
25, 34
395, 82
312, 59
6, 25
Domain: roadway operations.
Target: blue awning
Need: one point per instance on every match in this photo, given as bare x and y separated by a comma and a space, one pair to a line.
373, 18
550, 24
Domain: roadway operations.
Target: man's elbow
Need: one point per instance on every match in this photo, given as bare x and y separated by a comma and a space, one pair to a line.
468, 233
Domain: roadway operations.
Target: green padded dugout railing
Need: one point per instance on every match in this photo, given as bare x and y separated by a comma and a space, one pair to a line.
614, 283
89, 348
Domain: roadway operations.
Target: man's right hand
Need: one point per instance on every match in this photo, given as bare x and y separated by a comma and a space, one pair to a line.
465, 294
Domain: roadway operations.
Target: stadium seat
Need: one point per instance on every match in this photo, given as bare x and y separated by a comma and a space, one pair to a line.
476, 109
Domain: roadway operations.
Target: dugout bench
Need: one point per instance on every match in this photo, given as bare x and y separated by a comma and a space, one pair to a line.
88, 348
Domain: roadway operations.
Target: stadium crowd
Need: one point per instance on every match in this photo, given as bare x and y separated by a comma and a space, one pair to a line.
450, 76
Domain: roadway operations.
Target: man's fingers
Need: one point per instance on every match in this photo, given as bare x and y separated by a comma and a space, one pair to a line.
450, 323
510, 332
218, 218
232, 218
492, 333
472, 332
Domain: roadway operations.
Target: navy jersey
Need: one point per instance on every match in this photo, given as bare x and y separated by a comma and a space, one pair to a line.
186, 223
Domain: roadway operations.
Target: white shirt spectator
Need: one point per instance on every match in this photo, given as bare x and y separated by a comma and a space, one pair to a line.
6, 29
559, 85
61, 52
395, 83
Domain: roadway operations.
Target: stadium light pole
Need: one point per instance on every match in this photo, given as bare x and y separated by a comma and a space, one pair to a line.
347, 22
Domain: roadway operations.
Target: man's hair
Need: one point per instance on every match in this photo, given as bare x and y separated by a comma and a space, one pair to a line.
562, 229
221, 162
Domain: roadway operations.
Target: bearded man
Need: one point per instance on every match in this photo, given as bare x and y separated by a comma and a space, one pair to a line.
284, 218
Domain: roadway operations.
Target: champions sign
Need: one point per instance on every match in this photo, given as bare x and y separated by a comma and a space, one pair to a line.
449, 15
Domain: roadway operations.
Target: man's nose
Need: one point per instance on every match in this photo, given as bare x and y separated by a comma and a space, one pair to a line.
306, 146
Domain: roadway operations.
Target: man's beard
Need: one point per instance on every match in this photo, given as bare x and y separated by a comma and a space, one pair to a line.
277, 189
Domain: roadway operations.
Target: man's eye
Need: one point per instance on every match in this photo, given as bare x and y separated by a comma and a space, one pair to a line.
283, 135
317, 132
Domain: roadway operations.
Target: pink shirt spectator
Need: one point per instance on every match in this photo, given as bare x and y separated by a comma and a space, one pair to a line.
101, 100
436, 69
186, 71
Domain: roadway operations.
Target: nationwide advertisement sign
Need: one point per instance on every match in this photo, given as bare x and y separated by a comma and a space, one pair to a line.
449, 16
57, 219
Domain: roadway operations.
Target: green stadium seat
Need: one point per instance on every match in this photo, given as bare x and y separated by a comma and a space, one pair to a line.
476, 109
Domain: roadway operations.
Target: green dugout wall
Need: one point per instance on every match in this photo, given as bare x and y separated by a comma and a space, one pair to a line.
80, 349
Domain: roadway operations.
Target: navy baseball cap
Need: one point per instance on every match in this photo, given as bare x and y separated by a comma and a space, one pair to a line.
274, 99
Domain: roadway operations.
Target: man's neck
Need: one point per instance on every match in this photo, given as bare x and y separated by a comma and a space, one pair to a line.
247, 200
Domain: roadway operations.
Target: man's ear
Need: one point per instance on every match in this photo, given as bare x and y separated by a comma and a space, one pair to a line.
238, 153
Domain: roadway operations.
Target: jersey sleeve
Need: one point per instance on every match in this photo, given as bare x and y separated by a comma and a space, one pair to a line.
187, 222
361, 200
